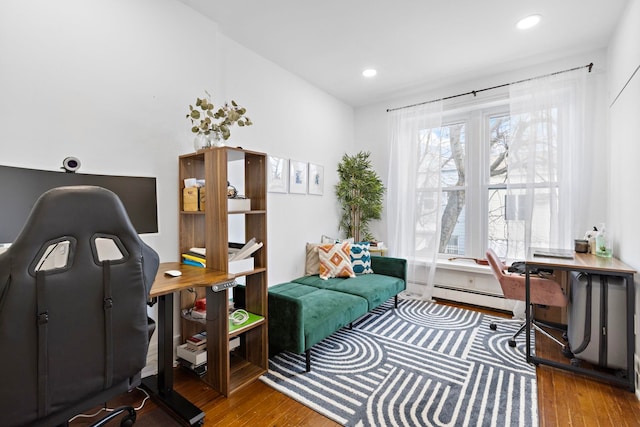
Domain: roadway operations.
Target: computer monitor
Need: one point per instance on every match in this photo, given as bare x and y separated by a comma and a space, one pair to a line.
21, 187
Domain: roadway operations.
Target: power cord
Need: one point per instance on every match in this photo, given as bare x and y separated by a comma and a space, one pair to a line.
238, 317
107, 409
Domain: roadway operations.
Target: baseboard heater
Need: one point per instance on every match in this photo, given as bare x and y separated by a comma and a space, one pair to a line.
472, 296
468, 291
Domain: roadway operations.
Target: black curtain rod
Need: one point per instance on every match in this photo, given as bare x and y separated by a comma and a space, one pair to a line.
476, 92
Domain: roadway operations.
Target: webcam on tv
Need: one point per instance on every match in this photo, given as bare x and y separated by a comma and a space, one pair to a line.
71, 164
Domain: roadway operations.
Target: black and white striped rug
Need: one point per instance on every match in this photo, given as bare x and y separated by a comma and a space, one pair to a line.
422, 364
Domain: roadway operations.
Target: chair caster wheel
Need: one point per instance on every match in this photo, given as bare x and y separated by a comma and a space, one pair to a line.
129, 420
493, 326
566, 352
565, 337
575, 362
512, 343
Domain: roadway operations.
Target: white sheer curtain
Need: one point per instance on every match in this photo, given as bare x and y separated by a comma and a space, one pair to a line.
414, 189
545, 161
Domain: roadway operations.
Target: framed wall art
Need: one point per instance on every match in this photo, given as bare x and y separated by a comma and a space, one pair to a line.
316, 179
278, 175
297, 177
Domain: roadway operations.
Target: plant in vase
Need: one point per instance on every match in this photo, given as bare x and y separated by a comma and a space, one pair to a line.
212, 126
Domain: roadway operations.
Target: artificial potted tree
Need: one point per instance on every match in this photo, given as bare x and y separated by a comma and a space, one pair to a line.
360, 192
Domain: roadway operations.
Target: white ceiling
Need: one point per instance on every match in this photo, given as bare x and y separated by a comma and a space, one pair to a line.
412, 43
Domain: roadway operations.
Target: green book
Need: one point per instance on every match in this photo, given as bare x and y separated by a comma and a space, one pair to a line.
253, 318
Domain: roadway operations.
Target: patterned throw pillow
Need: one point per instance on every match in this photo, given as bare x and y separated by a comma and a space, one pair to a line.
335, 260
361, 258
312, 261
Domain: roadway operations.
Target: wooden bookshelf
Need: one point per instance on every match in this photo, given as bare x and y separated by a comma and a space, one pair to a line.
227, 372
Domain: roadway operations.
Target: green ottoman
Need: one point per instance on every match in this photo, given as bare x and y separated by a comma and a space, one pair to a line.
300, 316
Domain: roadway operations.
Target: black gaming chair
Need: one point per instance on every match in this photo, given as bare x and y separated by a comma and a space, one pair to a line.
74, 331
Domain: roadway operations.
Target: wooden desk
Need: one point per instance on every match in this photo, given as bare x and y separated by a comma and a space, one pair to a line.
160, 386
590, 264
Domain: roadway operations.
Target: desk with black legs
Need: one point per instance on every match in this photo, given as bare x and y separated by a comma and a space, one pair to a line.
161, 385
590, 264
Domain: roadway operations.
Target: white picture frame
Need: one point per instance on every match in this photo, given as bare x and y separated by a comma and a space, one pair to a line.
316, 179
297, 177
278, 175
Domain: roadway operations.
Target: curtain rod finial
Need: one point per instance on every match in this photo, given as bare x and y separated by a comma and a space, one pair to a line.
590, 66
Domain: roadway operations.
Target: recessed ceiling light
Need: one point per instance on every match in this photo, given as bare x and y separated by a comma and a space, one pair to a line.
369, 72
528, 22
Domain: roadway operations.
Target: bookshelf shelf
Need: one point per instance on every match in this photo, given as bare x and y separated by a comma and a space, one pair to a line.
227, 371
253, 322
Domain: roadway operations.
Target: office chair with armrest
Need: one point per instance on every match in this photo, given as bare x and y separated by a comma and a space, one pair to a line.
542, 291
74, 330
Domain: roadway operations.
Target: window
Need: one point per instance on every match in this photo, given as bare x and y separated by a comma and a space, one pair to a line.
473, 212
451, 192
477, 210
446, 146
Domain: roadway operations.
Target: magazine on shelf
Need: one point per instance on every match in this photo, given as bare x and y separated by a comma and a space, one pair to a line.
246, 251
199, 251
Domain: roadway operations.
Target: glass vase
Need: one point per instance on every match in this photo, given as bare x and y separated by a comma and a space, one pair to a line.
218, 141
202, 141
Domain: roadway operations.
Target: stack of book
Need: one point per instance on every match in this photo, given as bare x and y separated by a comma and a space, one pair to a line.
193, 354
197, 342
194, 258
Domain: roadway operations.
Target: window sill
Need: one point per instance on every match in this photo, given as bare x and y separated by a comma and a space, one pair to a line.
463, 265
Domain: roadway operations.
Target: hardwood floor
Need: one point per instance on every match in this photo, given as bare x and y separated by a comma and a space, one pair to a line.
564, 399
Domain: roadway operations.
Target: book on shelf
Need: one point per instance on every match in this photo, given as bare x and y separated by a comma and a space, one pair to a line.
246, 251
197, 341
234, 343
195, 258
199, 370
253, 318
197, 357
199, 251
186, 261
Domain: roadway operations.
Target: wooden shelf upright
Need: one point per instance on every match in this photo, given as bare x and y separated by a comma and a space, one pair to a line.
227, 372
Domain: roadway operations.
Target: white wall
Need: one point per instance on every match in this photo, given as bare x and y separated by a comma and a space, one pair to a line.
110, 81
296, 121
624, 102
106, 81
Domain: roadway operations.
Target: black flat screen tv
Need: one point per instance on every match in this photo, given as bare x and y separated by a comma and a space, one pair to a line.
21, 187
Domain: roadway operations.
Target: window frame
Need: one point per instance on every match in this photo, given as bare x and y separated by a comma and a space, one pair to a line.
477, 135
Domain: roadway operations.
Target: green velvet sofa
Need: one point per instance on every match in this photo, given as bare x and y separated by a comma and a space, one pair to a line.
306, 310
